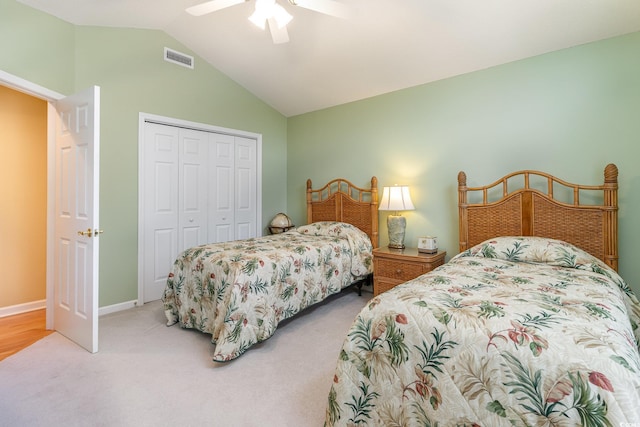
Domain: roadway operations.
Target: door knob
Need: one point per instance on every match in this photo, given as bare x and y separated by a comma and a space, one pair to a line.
90, 233
87, 233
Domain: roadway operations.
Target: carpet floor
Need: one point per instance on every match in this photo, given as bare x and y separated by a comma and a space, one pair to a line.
148, 374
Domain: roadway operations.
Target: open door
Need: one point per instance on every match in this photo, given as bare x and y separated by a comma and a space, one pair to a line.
76, 236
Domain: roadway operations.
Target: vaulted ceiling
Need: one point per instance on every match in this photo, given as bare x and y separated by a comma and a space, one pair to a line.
383, 46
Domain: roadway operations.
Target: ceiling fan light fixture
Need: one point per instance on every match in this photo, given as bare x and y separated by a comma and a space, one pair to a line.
269, 9
281, 16
258, 20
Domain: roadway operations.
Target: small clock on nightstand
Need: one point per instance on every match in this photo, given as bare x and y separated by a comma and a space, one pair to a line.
427, 245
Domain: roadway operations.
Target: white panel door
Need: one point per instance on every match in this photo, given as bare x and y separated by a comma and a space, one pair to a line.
76, 235
221, 184
245, 188
160, 175
197, 187
192, 197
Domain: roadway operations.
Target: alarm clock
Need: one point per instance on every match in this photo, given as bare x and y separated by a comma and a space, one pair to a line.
428, 245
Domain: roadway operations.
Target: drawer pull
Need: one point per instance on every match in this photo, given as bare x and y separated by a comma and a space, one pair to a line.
398, 271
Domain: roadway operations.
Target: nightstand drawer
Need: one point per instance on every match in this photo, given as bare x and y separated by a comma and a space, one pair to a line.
399, 270
392, 266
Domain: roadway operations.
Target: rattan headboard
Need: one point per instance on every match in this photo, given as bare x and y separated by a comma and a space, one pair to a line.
532, 210
340, 200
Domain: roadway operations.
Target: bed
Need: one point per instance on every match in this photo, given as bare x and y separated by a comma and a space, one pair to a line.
529, 325
240, 291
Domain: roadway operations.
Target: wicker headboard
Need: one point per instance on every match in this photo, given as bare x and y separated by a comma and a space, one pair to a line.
340, 200
534, 209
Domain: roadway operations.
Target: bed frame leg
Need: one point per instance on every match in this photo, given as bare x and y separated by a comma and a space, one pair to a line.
359, 286
366, 281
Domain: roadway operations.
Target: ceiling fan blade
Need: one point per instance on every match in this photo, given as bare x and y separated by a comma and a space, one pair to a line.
279, 35
328, 7
211, 6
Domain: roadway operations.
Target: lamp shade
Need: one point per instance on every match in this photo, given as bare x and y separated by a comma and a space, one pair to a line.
396, 198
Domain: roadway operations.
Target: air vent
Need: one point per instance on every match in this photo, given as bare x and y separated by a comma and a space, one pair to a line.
179, 58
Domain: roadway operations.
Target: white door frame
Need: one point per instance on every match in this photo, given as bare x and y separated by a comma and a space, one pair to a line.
24, 86
170, 121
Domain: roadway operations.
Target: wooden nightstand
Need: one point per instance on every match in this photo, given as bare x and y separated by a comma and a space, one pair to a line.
394, 266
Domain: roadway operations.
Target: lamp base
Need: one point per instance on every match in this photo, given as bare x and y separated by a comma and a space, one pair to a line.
396, 225
390, 246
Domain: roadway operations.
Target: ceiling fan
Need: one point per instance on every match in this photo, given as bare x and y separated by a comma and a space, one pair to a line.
273, 13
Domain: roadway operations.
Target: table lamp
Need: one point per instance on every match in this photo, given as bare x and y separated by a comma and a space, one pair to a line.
396, 199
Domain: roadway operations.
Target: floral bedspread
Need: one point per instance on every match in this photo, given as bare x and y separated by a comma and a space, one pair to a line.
239, 291
513, 332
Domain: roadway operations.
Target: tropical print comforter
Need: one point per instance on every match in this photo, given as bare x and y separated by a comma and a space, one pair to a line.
513, 332
239, 291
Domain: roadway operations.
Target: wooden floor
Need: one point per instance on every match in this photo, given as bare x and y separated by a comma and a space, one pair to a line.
20, 331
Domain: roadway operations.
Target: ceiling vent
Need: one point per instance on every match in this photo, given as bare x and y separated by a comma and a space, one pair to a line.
179, 58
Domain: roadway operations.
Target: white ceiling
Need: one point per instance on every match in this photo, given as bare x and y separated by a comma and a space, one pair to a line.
384, 46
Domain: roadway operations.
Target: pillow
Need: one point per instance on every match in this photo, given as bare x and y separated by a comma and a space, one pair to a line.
535, 250
326, 228
543, 250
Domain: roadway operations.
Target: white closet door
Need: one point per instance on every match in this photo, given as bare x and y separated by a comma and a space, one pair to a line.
192, 197
245, 189
198, 187
161, 211
222, 183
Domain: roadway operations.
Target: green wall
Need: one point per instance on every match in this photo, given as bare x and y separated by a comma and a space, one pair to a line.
128, 66
568, 113
37, 47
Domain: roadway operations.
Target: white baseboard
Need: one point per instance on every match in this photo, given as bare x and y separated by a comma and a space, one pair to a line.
37, 305
117, 307
22, 308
